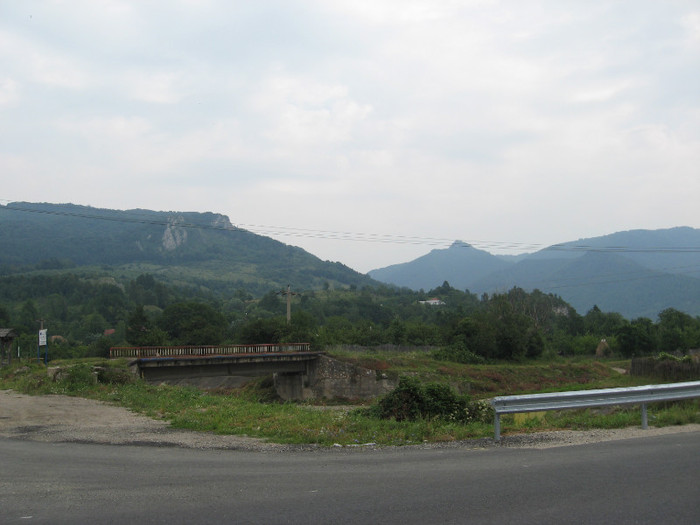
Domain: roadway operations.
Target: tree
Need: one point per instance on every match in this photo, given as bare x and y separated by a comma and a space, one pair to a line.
302, 328
271, 303
4, 317
269, 330
142, 331
677, 331
512, 330
28, 316
637, 338
476, 334
57, 307
94, 324
397, 332
110, 302
597, 322
337, 330
146, 290
534, 343
192, 323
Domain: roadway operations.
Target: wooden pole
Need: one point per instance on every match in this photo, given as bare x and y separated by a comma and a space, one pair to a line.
289, 304
289, 294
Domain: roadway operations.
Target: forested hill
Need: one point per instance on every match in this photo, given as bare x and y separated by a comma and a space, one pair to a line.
637, 273
201, 248
461, 265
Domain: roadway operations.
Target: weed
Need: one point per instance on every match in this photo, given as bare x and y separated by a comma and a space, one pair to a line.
256, 411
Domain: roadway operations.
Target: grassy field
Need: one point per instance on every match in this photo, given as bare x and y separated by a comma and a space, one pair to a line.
484, 381
255, 411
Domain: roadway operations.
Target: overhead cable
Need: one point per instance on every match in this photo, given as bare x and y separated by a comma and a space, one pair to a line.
287, 231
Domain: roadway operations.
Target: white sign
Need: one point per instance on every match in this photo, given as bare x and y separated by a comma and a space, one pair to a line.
42, 337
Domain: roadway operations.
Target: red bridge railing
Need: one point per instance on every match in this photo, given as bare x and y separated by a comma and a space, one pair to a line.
202, 351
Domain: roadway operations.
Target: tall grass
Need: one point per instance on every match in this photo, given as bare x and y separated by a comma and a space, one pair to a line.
253, 411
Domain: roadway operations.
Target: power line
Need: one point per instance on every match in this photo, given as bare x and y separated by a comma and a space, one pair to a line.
287, 231
612, 278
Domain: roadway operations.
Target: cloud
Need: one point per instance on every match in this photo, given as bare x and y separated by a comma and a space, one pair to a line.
491, 120
303, 112
155, 87
40, 64
8, 91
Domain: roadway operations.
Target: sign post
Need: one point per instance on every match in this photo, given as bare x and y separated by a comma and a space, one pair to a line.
42, 342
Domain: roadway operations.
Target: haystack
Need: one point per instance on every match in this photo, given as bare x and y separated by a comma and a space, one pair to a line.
603, 349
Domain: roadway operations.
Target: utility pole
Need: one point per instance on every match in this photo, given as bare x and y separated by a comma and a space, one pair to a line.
289, 294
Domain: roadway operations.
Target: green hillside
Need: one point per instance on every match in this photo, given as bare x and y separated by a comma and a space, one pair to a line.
202, 249
636, 273
461, 265
670, 250
613, 282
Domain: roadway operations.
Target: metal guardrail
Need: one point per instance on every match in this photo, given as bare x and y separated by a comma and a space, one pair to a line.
636, 395
204, 351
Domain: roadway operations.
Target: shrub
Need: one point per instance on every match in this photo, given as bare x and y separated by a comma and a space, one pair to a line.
458, 353
412, 400
114, 376
77, 377
440, 401
404, 403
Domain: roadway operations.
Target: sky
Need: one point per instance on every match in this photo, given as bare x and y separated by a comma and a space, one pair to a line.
364, 131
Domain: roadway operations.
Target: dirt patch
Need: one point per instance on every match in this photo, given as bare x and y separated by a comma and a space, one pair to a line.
72, 419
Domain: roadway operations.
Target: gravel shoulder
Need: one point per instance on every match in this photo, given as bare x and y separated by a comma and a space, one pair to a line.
64, 419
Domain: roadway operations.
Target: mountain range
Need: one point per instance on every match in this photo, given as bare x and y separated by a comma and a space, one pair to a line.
637, 273
197, 249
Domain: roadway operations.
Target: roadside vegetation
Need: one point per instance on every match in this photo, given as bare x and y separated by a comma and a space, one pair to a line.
431, 404
451, 353
85, 315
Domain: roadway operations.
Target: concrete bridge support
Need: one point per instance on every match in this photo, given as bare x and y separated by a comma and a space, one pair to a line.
296, 376
290, 386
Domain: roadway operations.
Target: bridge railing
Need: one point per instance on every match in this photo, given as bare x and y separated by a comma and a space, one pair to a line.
635, 395
204, 351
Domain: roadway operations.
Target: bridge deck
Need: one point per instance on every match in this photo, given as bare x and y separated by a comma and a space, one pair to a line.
198, 360
204, 350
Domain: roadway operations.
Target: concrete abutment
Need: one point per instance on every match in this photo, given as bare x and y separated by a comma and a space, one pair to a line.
296, 377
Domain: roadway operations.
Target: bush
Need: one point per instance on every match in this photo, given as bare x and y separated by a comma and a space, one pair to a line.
114, 376
412, 400
458, 353
77, 377
404, 403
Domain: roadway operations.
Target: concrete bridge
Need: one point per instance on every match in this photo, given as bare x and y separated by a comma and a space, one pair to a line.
298, 372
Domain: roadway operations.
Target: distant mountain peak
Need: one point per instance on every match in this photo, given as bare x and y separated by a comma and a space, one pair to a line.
457, 265
636, 272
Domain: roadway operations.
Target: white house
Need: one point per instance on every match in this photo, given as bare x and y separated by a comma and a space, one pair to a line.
433, 302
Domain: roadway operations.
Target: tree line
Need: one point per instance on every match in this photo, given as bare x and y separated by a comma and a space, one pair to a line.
86, 315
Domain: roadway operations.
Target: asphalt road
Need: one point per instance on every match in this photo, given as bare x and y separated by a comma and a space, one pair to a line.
646, 480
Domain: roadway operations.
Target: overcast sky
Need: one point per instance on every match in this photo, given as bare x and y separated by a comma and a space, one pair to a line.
367, 132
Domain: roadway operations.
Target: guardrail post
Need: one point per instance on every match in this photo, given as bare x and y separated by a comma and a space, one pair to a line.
645, 423
497, 427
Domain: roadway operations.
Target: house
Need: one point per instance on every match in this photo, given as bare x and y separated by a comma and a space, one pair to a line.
433, 302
